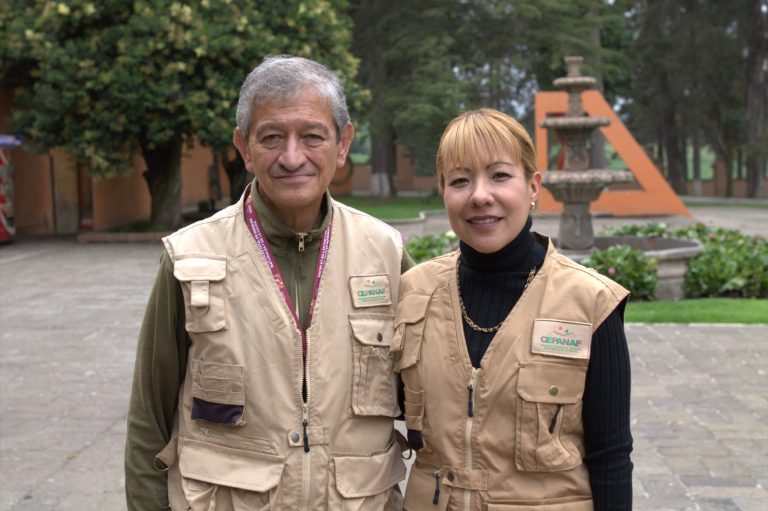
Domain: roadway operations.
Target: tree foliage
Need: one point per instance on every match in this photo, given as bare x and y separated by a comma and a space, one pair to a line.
104, 79
690, 78
424, 62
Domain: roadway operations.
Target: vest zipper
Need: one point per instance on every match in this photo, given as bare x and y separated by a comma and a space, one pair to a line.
468, 432
471, 389
306, 462
305, 422
301, 236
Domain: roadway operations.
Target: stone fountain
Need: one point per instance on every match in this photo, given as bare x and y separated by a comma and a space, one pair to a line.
576, 186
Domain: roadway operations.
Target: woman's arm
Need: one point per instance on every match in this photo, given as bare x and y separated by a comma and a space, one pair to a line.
607, 436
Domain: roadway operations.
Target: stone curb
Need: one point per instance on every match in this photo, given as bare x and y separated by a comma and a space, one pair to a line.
120, 237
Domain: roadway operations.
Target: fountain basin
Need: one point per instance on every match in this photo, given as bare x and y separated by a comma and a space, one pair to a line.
671, 254
574, 123
576, 189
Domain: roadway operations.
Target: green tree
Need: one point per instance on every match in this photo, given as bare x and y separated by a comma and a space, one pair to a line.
426, 61
690, 70
105, 79
407, 65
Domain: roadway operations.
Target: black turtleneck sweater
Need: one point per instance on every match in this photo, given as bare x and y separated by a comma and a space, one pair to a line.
491, 284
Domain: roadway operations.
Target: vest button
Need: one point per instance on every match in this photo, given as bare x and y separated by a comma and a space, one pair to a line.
295, 438
553, 390
450, 476
379, 337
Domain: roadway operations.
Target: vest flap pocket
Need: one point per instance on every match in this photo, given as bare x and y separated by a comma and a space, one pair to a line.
374, 383
575, 505
365, 476
200, 269
202, 282
551, 383
409, 328
372, 329
233, 468
412, 308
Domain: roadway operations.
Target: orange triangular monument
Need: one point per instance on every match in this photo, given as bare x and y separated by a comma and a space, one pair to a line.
654, 198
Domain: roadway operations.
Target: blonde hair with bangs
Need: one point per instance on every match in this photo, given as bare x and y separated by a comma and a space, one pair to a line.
478, 132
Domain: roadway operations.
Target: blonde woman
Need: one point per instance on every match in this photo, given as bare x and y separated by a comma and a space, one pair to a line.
513, 357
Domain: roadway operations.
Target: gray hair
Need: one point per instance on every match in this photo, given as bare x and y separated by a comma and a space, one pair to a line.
282, 78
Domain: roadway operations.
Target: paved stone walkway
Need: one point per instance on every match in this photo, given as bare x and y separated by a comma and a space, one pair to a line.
69, 318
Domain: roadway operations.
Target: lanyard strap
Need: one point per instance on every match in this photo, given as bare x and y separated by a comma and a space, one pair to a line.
252, 220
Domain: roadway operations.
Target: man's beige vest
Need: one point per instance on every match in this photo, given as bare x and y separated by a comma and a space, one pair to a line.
522, 446
239, 442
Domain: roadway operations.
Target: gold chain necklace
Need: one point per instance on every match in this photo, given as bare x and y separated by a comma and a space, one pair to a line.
474, 326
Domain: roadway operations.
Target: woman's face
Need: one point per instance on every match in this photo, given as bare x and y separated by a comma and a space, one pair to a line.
489, 205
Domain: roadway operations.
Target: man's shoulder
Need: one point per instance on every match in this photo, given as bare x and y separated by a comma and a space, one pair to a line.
364, 218
204, 233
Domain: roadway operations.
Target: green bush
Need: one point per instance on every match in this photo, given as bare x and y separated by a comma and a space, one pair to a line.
731, 265
627, 266
422, 248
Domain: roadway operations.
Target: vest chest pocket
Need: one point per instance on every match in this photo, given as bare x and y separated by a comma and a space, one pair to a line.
202, 282
218, 393
374, 383
549, 432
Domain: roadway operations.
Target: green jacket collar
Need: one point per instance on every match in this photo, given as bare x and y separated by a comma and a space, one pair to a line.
280, 236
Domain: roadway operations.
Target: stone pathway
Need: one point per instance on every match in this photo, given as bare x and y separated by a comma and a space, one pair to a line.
69, 318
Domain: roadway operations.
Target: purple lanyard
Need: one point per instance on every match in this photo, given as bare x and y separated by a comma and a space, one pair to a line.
252, 220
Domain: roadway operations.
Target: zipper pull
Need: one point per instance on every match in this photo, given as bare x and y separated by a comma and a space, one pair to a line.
301, 240
471, 389
304, 423
554, 419
436, 497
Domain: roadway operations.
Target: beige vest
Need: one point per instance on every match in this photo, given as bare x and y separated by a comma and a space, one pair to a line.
522, 447
239, 441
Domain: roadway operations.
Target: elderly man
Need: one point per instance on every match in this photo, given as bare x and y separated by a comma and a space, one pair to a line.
263, 375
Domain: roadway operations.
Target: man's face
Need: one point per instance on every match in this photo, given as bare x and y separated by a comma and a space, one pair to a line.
292, 149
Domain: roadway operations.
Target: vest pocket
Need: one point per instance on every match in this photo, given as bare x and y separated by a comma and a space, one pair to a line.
202, 282
223, 478
374, 383
367, 482
426, 490
549, 432
218, 393
409, 329
571, 505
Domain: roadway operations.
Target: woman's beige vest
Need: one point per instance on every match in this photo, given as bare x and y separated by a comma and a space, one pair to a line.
522, 446
245, 446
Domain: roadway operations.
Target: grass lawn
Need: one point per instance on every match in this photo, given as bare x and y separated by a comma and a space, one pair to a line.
396, 208
703, 310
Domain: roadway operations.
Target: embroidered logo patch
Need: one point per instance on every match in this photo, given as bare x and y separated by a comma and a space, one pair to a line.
561, 338
370, 290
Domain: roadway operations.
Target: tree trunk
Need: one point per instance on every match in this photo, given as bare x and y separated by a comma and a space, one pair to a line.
675, 160
383, 160
237, 174
660, 149
757, 100
696, 163
596, 142
163, 177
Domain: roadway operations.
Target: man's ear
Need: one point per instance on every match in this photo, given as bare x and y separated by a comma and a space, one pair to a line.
242, 147
347, 134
